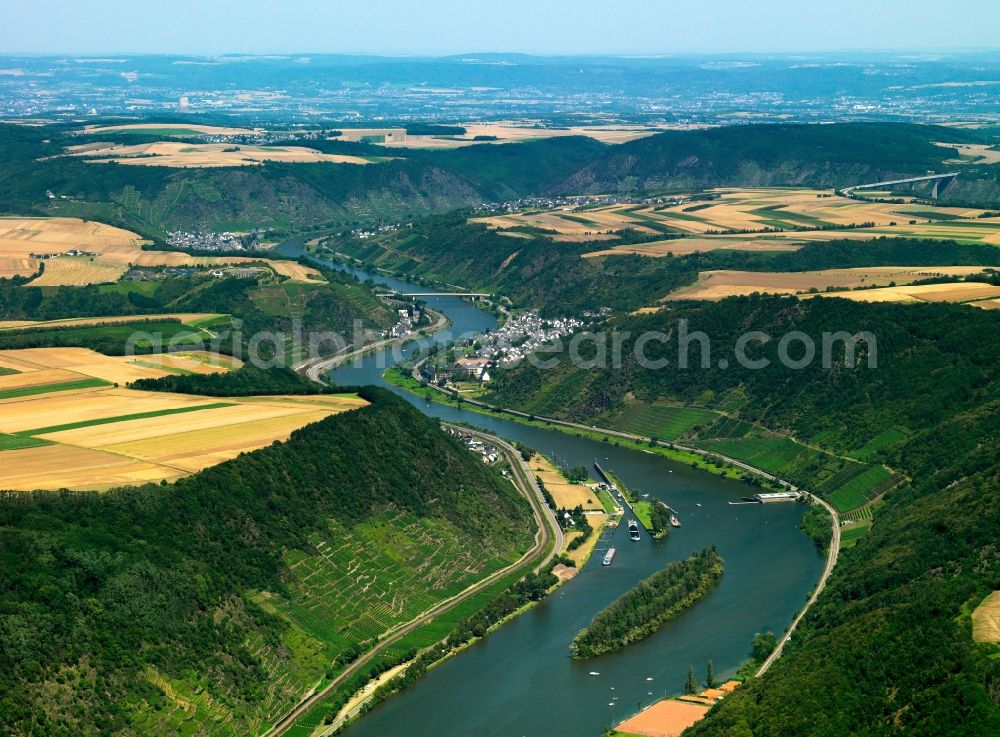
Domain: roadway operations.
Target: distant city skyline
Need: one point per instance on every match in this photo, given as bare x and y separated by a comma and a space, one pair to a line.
445, 27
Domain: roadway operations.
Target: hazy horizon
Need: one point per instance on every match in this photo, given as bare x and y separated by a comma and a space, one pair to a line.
559, 28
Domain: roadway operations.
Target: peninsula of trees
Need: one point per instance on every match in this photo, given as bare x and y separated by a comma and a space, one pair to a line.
653, 602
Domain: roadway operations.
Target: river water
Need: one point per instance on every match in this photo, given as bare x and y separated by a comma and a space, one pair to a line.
520, 680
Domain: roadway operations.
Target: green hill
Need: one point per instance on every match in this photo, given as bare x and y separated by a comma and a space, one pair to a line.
766, 156
887, 650
212, 605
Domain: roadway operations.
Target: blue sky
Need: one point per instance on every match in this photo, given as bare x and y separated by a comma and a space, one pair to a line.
431, 27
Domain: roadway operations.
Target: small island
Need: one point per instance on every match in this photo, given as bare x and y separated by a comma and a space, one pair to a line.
652, 603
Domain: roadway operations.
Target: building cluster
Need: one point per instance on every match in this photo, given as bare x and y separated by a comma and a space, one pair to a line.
208, 241
488, 452
409, 316
366, 233
506, 345
69, 252
570, 203
521, 335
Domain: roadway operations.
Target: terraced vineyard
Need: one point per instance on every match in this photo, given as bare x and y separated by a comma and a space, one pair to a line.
368, 579
662, 420
844, 482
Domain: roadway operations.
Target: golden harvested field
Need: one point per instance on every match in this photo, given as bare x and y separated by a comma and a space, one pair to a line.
81, 363
206, 155
566, 495
959, 292
77, 271
115, 248
521, 131
979, 153
11, 266
297, 272
986, 619
185, 317
715, 285
140, 127
788, 216
184, 433
24, 236
683, 246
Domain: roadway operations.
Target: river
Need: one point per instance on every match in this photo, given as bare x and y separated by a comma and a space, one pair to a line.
520, 680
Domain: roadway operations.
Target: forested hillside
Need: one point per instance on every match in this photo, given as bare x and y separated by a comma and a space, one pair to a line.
260, 306
217, 602
286, 197
767, 156
293, 197
887, 650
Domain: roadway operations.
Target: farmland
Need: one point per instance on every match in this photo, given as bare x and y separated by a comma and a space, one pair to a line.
719, 284
206, 155
750, 219
566, 495
81, 430
113, 251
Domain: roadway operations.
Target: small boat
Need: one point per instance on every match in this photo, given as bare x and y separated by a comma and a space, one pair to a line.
633, 530
698, 504
674, 522
650, 678
594, 673
608, 557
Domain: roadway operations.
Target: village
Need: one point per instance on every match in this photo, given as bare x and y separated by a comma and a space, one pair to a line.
511, 342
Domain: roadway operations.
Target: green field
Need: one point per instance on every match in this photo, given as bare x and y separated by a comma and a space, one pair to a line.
17, 442
850, 535
846, 483
4, 371
29, 391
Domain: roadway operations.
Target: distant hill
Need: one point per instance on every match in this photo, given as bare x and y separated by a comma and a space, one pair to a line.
153, 200
211, 606
765, 156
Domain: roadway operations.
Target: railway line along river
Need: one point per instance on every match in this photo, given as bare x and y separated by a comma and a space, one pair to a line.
520, 681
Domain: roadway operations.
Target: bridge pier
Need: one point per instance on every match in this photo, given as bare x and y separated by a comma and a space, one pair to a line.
940, 185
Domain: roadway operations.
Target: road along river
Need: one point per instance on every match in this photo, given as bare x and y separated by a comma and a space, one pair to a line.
520, 680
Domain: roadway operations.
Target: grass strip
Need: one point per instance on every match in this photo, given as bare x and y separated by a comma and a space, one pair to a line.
120, 418
28, 391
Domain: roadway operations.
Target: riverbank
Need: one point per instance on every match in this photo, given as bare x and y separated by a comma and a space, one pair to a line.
549, 539
695, 458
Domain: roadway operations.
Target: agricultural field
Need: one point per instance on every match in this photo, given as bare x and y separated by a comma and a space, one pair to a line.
188, 318
752, 219
206, 155
113, 249
176, 129
986, 619
77, 271
962, 292
566, 495
519, 132
719, 284
81, 430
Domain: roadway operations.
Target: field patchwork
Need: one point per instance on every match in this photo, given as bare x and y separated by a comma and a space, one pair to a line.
64, 424
719, 284
767, 219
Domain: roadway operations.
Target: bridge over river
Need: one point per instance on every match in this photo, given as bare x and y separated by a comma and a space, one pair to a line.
941, 181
